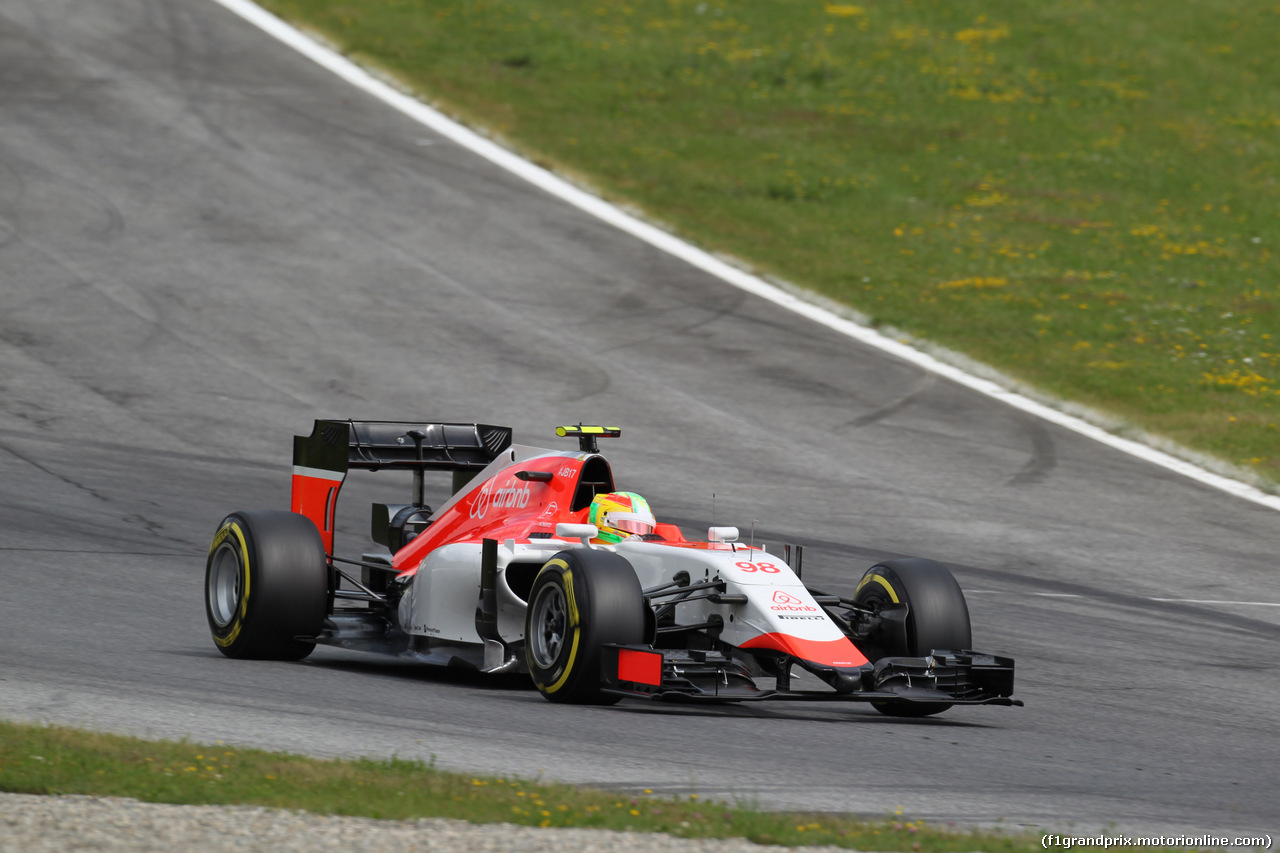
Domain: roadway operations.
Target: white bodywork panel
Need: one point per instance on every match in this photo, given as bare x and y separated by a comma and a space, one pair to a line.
445, 592
777, 601
442, 602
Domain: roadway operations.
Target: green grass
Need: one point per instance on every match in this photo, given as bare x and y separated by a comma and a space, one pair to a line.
1083, 195
52, 760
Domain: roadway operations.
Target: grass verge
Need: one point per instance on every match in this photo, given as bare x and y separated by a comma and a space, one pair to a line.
55, 760
1085, 196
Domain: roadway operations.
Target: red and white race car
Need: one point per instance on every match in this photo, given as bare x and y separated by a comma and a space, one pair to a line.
509, 574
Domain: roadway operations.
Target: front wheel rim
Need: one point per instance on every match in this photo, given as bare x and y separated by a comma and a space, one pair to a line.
550, 619
224, 585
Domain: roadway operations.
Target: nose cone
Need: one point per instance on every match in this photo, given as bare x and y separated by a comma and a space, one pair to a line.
835, 653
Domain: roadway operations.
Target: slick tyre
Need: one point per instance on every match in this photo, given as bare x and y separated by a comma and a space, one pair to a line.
937, 616
266, 585
580, 601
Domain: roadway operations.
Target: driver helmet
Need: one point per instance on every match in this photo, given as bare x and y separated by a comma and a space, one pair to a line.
619, 516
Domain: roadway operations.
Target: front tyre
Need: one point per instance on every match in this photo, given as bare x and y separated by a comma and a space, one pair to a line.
580, 601
937, 616
266, 585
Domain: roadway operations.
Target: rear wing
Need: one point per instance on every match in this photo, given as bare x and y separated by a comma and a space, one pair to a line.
321, 460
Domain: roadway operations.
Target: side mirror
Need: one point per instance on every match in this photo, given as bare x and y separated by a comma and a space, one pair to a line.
583, 532
722, 534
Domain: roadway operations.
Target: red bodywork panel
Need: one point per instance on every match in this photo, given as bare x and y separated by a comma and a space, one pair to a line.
508, 507
501, 507
315, 495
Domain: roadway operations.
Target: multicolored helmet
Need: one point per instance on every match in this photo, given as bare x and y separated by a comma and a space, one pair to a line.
620, 515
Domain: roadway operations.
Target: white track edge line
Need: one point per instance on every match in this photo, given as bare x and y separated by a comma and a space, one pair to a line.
562, 189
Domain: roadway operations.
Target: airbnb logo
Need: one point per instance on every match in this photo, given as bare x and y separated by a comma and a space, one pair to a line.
480, 504
509, 496
787, 601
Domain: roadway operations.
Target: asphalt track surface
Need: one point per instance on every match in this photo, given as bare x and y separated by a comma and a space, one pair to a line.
206, 241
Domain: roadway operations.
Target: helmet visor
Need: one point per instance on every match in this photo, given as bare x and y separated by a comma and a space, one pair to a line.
630, 522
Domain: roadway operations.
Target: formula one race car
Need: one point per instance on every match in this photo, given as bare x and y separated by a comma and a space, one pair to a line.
536, 564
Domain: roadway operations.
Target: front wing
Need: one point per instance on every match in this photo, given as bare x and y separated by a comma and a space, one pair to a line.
954, 677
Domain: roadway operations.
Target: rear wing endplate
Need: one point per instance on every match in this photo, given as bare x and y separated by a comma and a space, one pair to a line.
321, 460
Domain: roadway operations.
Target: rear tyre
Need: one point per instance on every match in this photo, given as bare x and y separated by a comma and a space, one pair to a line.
580, 601
937, 616
266, 585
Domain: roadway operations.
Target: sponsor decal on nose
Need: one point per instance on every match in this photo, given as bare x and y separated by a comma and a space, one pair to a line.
787, 601
509, 496
480, 504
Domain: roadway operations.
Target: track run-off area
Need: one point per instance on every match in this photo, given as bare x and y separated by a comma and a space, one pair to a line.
207, 241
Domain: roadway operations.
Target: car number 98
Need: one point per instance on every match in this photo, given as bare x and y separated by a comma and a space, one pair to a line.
768, 568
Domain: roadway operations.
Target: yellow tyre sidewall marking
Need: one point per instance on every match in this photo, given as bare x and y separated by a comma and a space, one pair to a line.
229, 528
574, 621
880, 579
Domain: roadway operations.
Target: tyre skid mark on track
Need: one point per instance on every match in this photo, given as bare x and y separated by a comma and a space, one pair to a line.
1256, 628
1044, 454
97, 552
805, 306
135, 302
920, 386
1148, 598
1215, 601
